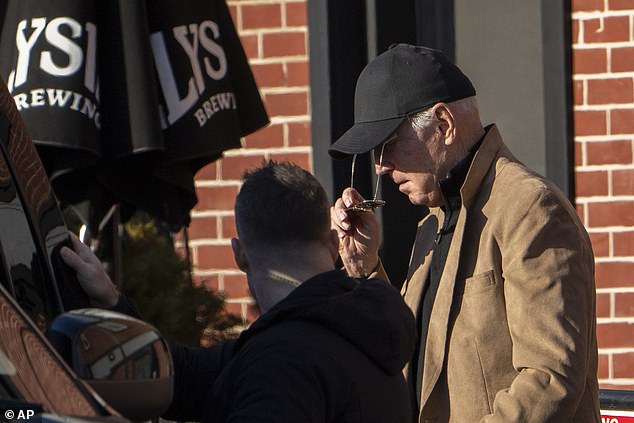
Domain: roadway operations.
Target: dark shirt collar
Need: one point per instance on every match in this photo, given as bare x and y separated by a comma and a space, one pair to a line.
450, 186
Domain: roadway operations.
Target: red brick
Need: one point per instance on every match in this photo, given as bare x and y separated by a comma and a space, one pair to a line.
590, 123
301, 159
235, 309
284, 44
216, 198
253, 313
624, 244
617, 387
236, 286
600, 244
616, 274
612, 29
610, 91
261, 16
623, 182
296, 14
589, 61
297, 74
577, 93
589, 184
299, 134
604, 366
615, 335
578, 147
269, 74
203, 227
586, 5
290, 104
229, 227
250, 45
209, 282
271, 136
216, 257
603, 305
624, 304
234, 15
233, 167
609, 152
208, 173
615, 213
197, 280
620, 5
623, 365
622, 121
273, 74
623, 59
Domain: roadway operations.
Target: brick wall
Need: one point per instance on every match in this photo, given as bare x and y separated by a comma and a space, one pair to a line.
274, 36
603, 66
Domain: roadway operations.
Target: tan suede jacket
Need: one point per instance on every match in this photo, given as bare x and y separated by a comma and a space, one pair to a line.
512, 334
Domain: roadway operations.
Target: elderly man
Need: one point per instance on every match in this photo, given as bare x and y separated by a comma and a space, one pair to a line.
327, 348
501, 275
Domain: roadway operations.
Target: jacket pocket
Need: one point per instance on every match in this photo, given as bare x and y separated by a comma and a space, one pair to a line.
482, 323
481, 282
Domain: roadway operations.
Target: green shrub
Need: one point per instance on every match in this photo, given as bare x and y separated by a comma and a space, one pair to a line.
157, 280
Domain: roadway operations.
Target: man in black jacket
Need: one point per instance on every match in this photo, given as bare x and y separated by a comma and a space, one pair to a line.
327, 348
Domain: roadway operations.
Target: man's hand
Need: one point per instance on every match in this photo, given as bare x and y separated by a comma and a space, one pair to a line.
91, 274
358, 235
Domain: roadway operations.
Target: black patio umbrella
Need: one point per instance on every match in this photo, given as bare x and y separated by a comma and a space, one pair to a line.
127, 99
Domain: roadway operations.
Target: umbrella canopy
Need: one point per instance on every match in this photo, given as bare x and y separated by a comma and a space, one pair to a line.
126, 100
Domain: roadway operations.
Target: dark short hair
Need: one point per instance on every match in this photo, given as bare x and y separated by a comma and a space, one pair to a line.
281, 202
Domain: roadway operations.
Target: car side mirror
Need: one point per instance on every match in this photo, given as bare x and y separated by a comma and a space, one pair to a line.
125, 360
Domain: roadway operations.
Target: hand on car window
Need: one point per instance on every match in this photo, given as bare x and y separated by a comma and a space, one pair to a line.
91, 274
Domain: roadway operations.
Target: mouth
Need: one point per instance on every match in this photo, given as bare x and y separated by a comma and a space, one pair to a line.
401, 184
403, 190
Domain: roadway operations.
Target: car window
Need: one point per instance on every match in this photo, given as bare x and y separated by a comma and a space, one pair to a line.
23, 271
31, 372
32, 228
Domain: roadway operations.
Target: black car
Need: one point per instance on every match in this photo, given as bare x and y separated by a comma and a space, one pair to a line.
118, 358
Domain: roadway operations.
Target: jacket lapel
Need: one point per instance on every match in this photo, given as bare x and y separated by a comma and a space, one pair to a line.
420, 260
438, 323
439, 320
419, 264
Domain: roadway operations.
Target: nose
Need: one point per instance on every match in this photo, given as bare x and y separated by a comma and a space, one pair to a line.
383, 168
382, 165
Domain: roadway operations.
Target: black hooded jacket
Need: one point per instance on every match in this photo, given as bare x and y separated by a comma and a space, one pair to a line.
332, 351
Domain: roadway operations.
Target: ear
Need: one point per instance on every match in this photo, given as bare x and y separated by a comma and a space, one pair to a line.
446, 122
239, 255
333, 245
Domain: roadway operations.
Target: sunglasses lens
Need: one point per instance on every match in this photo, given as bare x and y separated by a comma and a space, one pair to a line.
366, 206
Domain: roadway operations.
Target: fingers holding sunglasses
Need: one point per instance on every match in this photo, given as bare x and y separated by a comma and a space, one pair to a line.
341, 216
359, 235
351, 196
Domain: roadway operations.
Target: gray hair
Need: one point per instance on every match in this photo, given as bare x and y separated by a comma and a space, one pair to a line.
463, 107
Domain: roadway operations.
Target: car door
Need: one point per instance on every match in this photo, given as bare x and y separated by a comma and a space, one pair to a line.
33, 379
32, 228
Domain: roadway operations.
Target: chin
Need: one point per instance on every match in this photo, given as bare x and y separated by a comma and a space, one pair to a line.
417, 200
423, 199
417, 197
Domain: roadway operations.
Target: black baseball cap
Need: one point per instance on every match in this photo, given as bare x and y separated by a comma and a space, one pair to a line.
402, 80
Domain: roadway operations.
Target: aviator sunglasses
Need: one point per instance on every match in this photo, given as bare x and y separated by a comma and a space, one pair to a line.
368, 205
